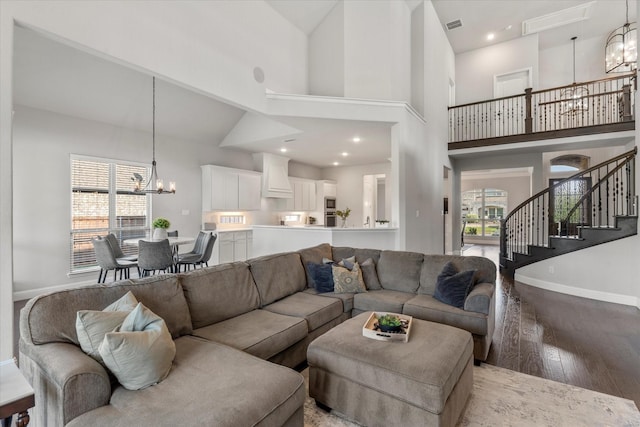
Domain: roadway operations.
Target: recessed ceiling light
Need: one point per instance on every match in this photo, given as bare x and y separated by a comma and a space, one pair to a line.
508, 27
283, 150
335, 163
345, 154
491, 36
356, 139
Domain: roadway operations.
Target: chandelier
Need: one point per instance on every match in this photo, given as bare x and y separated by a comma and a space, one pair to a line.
575, 98
137, 178
621, 52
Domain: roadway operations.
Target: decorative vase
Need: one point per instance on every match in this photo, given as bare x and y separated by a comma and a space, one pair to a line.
344, 222
160, 234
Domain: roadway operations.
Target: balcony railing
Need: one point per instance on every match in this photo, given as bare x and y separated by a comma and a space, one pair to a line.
596, 105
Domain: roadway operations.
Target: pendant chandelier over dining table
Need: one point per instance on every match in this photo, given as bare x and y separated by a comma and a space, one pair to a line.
153, 178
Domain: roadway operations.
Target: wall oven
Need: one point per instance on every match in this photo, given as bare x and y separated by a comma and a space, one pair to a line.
330, 219
329, 204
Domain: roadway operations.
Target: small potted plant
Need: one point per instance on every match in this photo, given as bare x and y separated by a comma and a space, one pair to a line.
382, 223
389, 323
160, 226
344, 215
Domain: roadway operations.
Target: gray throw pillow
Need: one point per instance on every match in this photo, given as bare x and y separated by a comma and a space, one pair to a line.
370, 274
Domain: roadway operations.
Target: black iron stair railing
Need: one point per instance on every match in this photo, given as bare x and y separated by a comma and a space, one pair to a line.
594, 198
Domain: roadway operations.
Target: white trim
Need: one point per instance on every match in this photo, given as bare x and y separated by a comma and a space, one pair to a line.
31, 293
356, 101
578, 292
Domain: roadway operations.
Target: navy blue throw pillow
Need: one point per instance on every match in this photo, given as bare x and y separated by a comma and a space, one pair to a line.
322, 276
453, 287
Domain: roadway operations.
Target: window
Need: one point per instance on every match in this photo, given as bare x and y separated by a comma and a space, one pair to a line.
482, 210
102, 202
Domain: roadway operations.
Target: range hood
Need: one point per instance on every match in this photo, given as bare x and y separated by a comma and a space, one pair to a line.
275, 175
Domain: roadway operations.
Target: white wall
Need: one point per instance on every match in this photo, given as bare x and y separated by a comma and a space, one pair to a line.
43, 142
607, 272
326, 55
556, 63
475, 69
417, 58
427, 181
377, 50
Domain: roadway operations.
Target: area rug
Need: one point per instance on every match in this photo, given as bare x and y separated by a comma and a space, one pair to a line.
501, 397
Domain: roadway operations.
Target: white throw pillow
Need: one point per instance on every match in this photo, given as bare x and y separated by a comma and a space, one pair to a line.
92, 325
140, 354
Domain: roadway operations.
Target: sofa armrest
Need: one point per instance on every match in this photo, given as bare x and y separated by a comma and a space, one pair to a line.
67, 382
479, 299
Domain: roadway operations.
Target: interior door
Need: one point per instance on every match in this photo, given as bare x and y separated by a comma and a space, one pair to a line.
562, 199
507, 111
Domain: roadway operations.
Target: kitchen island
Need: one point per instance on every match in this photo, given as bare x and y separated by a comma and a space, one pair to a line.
271, 239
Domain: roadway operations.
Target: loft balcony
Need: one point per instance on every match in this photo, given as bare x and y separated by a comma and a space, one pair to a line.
599, 106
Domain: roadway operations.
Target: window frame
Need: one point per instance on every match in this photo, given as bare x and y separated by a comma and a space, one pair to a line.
112, 192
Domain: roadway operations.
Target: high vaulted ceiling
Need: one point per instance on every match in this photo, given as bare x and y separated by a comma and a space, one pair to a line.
52, 76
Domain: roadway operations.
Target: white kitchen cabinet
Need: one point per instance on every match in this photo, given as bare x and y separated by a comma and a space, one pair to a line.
228, 189
304, 196
249, 192
232, 246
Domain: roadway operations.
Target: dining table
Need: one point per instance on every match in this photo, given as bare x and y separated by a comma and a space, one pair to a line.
174, 242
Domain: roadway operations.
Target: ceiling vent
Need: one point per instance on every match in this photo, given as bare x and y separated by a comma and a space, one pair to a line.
454, 24
557, 19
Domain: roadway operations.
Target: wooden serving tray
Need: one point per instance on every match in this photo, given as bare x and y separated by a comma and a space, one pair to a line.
369, 329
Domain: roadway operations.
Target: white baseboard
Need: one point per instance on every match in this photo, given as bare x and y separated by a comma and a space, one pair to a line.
579, 292
30, 293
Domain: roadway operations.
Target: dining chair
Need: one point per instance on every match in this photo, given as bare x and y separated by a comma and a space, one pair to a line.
117, 249
154, 256
107, 260
195, 258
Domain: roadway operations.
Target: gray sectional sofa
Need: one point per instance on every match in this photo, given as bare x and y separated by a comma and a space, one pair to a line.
238, 328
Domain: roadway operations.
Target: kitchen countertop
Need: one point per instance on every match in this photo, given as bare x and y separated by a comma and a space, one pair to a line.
229, 230
323, 228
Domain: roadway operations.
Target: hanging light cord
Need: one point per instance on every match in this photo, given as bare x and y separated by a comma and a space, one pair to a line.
574, 58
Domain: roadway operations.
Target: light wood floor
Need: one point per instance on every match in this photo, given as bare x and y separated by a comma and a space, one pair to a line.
577, 341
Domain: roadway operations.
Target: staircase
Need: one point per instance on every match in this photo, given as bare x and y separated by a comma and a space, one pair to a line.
592, 207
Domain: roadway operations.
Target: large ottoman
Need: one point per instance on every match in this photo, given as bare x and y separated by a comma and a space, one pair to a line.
425, 381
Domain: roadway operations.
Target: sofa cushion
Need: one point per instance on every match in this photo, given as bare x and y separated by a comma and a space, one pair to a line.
276, 332
210, 385
433, 265
322, 276
278, 276
314, 255
52, 317
346, 298
400, 271
219, 293
315, 309
92, 325
382, 300
141, 352
426, 307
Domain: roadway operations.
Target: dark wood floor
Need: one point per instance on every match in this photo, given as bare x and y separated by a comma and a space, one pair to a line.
578, 341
